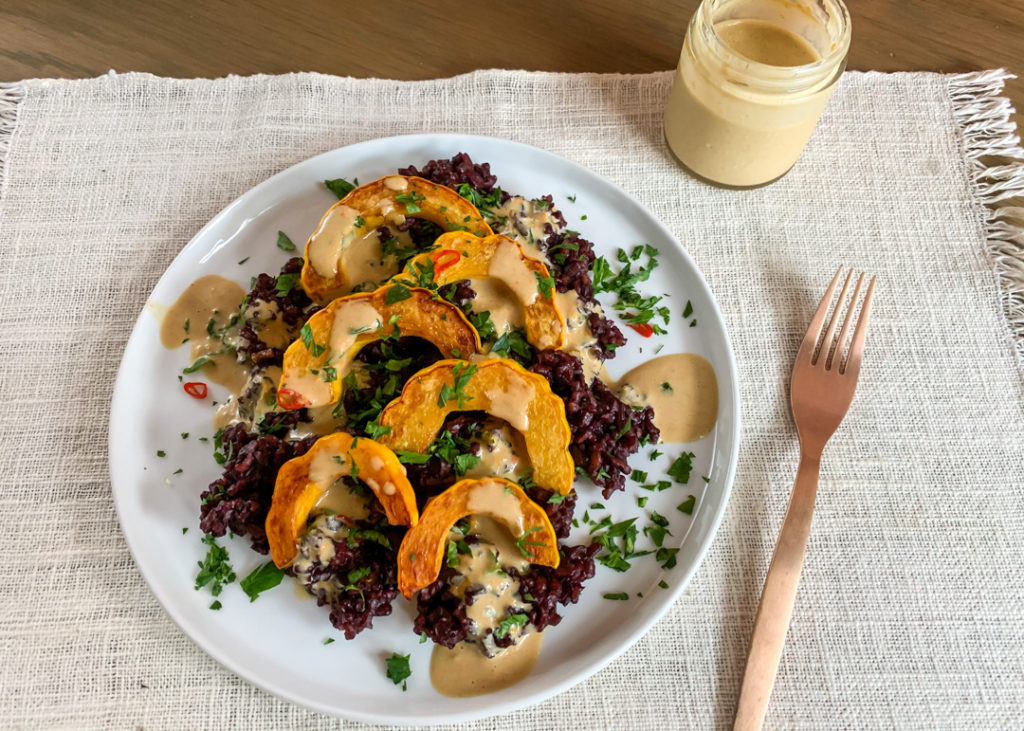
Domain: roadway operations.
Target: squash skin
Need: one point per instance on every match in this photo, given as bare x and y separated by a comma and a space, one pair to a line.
440, 205
295, 493
423, 548
545, 323
415, 418
421, 314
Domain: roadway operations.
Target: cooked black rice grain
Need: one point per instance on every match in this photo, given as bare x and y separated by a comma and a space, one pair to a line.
460, 169
605, 429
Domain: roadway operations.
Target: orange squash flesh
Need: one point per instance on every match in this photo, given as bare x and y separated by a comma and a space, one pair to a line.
423, 549
545, 324
332, 457
393, 198
502, 388
420, 314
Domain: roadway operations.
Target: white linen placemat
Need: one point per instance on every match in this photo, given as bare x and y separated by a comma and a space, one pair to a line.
911, 609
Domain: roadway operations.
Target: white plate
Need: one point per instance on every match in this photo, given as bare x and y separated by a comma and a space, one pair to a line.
277, 641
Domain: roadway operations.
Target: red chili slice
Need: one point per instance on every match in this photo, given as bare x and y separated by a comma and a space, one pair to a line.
196, 389
644, 329
440, 266
290, 399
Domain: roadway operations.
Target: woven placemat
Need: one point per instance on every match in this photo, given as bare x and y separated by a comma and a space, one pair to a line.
911, 609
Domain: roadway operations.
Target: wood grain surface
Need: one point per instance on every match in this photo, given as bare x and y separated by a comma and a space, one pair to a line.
404, 40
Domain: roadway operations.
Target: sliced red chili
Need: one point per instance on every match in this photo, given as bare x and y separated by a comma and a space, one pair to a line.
644, 329
290, 399
196, 389
452, 258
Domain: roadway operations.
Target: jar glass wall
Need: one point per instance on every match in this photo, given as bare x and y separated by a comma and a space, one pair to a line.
754, 77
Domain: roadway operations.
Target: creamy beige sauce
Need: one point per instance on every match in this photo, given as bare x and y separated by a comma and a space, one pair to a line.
508, 265
524, 221
464, 671
725, 132
492, 499
683, 391
335, 233
579, 338
511, 402
208, 298
502, 454
766, 42
396, 183
349, 321
494, 297
341, 499
363, 261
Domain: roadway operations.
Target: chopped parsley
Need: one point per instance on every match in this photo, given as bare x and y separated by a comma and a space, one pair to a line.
262, 579
216, 605
286, 283
341, 187
306, 333
680, 469
687, 505
161, 453
242, 261
545, 285
461, 374
688, 310
200, 362
483, 324
513, 341
411, 457
635, 309
411, 200
398, 669
556, 498
513, 620
619, 597
667, 557
215, 569
522, 543
284, 243
328, 641
397, 293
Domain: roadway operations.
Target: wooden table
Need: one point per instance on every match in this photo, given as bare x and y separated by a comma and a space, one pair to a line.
402, 40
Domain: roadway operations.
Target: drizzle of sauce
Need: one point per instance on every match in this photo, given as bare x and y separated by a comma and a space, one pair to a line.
511, 402
766, 42
494, 297
524, 221
396, 183
508, 265
502, 453
208, 298
579, 338
492, 499
464, 671
683, 391
336, 231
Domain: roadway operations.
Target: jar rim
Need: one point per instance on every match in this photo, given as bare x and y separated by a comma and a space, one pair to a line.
795, 78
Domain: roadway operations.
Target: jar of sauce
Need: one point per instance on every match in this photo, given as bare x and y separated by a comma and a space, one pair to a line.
754, 77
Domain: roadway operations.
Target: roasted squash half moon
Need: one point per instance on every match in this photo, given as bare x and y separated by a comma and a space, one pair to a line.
502, 388
304, 480
462, 256
315, 364
391, 199
423, 549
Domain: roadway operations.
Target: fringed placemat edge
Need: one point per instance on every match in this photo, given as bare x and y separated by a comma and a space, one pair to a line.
11, 96
996, 167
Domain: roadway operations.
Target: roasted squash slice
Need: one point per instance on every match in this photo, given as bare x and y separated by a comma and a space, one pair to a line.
502, 388
423, 548
315, 364
304, 480
462, 256
353, 220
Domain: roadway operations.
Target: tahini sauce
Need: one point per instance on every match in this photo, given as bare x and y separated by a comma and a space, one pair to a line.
683, 391
210, 297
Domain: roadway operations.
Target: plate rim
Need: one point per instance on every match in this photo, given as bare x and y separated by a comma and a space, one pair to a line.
731, 440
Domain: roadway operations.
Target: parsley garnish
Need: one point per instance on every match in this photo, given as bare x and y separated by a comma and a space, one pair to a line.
397, 293
556, 499
306, 333
410, 200
514, 341
688, 309
619, 597
161, 453
284, 243
663, 584
667, 557
636, 309
545, 285
262, 579
216, 605
522, 543
341, 187
286, 283
514, 620
460, 375
411, 457
687, 505
398, 669
483, 324
215, 569
200, 362
680, 469
328, 641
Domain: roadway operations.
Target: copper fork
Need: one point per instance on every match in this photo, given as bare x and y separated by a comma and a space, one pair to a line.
820, 393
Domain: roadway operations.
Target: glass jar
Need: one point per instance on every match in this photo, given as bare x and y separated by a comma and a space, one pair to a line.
754, 77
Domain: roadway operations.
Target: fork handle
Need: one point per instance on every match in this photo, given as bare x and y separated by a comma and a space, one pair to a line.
776, 608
